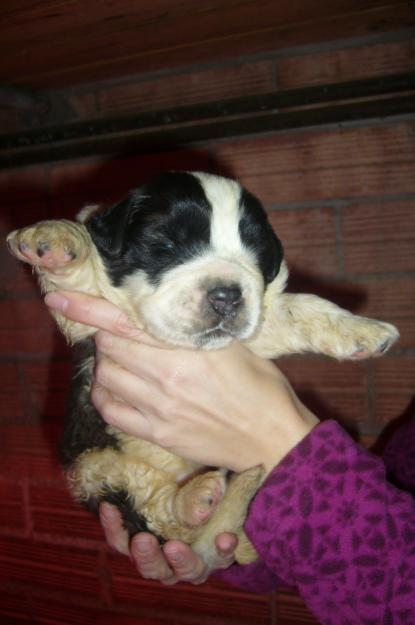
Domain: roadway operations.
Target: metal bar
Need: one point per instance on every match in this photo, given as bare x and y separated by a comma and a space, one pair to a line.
265, 102
169, 138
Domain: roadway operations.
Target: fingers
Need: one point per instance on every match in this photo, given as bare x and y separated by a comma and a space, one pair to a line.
115, 534
175, 562
120, 381
150, 560
186, 564
120, 415
96, 312
130, 354
90, 310
226, 543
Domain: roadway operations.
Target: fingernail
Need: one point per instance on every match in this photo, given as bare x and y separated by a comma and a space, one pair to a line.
142, 547
108, 512
56, 301
128, 324
176, 557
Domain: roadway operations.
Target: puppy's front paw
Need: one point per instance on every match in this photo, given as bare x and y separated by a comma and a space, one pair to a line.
49, 245
199, 498
360, 337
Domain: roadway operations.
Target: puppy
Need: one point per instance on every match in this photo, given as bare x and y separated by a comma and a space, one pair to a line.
192, 259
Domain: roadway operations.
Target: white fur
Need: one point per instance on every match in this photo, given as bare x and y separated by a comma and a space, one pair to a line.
224, 197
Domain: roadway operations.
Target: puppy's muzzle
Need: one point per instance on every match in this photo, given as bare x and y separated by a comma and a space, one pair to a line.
225, 300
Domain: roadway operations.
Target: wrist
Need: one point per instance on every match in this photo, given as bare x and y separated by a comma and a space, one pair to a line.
284, 440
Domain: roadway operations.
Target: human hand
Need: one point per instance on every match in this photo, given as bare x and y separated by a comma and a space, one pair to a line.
224, 408
172, 563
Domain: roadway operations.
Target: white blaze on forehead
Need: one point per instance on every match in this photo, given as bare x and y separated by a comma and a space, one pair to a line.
224, 196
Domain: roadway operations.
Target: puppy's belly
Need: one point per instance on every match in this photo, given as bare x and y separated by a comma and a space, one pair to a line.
178, 468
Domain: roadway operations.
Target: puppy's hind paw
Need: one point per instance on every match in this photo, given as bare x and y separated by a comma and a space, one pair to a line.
199, 498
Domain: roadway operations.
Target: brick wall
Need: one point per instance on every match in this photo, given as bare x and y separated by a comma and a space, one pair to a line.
343, 202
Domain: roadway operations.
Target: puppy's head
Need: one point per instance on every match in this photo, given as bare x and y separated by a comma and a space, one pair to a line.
194, 253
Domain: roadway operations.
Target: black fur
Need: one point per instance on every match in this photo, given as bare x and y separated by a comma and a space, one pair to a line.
257, 234
132, 520
167, 222
164, 224
84, 427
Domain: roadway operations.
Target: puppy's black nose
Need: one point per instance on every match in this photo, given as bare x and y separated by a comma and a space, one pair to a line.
225, 300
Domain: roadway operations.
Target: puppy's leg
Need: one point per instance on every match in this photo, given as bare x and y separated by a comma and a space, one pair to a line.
64, 257
296, 323
230, 517
169, 509
146, 493
198, 499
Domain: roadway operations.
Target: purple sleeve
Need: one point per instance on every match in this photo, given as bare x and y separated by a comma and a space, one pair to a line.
255, 577
327, 522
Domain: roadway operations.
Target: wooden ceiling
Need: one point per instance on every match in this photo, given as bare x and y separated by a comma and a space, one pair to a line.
56, 43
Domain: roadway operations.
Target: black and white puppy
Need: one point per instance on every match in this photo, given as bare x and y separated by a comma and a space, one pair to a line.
192, 259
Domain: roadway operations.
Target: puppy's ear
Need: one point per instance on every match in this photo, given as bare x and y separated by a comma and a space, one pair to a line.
108, 227
273, 256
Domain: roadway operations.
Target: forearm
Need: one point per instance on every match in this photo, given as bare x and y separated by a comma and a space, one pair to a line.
327, 522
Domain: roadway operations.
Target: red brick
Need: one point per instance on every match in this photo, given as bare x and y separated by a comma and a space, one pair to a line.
30, 450
23, 183
16, 278
12, 512
320, 261
310, 372
186, 89
12, 400
94, 180
23, 214
47, 386
15, 608
71, 611
379, 257
27, 328
75, 611
68, 207
55, 513
378, 222
309, 239
379, 237
324, 164
49, 566
395, 373
303, 227
329, 388
347, 64
205, 600
394, 387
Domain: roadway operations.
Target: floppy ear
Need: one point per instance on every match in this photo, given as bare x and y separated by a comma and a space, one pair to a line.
273, 256
108, 227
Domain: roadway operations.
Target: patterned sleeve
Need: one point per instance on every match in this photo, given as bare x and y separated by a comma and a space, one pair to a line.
255, 577
327, 522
